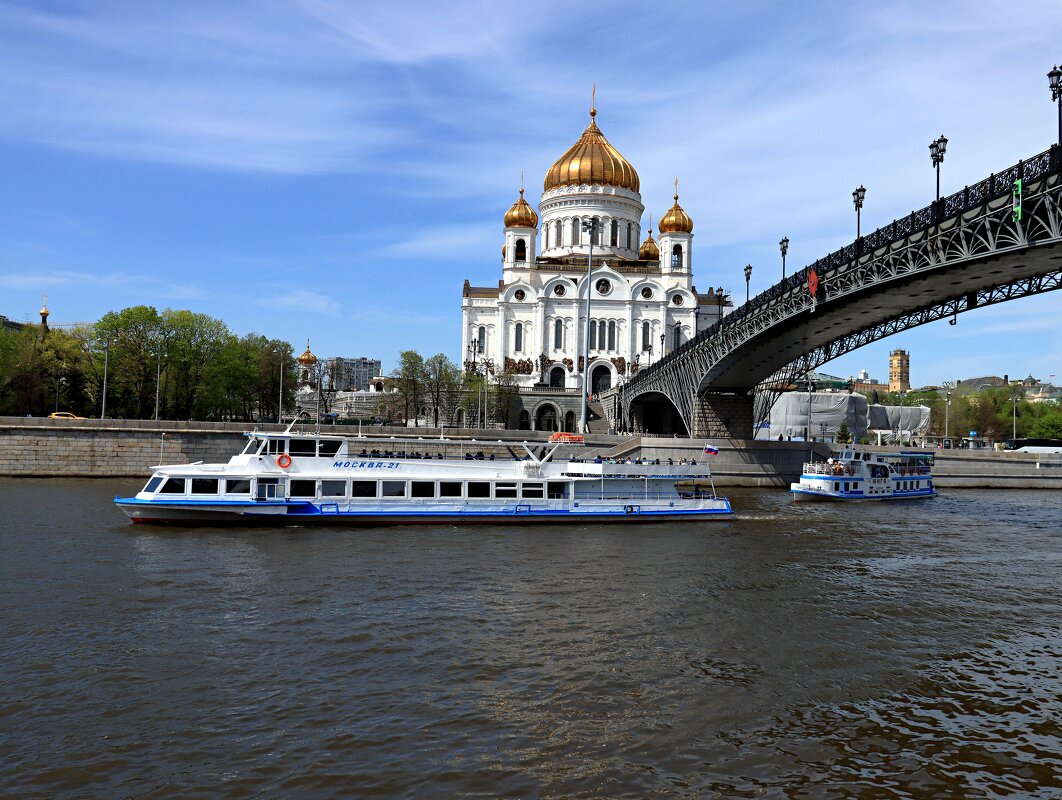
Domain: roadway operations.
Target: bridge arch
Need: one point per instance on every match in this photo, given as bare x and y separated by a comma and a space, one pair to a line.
653, 412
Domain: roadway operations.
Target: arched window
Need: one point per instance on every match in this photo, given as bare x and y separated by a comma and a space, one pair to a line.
518, 338
593, 336
612, 336
481, 342
676, 257
560, 235
558, 335
678, 339
575, 231
645, 337
602, 328
614, 238
630, 243
521, 250
597, 230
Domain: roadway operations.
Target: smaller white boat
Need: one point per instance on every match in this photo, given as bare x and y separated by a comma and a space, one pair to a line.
861, 475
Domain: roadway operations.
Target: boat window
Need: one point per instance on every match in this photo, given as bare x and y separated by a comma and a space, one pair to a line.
238, 486
392, 488
328, 448
478, 489
556, 490
836, 486
302, 447
449, 488
302, 488
204, 485
505, 490
531, 490
252, 446
153, 484
422, 489
363, 488
173, 486
275, 447
333, 488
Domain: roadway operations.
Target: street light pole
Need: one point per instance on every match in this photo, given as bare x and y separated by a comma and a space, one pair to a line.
947, 415
106, 364
589, 226
748, 277
811, 450
1014, 417
857, 199
936, 155
1054, 80
158, 382
784, 247
280, 404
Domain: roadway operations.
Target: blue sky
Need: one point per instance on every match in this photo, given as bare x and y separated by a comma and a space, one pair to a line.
334, 171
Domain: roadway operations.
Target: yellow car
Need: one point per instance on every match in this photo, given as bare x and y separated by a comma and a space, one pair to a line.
63, 415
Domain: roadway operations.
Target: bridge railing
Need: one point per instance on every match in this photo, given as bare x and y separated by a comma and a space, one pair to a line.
996, 185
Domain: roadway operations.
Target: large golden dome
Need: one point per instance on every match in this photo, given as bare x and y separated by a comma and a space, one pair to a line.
592, 160
307, 359
676, 220
649, 251
521, 215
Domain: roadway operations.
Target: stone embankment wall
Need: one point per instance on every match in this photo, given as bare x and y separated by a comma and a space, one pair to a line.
34, 447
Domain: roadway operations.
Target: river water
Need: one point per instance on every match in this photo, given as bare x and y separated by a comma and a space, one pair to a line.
812, 651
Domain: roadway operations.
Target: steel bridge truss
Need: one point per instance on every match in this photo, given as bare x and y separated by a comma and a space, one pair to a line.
967, 226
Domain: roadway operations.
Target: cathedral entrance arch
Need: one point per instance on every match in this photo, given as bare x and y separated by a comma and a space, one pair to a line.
525, 420
556, 378
569, 422
653, 412
600, 379
546, 417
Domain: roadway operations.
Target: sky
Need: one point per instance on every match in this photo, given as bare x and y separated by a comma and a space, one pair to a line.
333, 171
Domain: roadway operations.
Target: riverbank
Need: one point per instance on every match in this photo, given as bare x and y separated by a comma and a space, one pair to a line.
40, 448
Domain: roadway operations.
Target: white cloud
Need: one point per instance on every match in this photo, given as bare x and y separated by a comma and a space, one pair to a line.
301, 300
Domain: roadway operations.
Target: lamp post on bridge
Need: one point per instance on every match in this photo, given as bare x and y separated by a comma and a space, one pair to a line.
784, 247
1054, 80
748, 277
857, 199
936, 153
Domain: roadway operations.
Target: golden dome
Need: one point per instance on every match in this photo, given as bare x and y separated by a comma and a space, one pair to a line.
649, 251
676, 220
44, 312
307, 359
521, 215
592, 160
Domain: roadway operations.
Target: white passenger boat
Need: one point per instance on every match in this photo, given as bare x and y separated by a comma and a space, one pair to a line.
293, 479
862, 475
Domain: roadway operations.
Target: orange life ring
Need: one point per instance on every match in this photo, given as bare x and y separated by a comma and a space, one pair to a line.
283, 461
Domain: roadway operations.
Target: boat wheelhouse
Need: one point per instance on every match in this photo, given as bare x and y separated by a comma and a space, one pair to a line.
862, 475
285, 478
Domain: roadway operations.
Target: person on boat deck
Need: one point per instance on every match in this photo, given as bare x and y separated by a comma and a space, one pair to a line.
363, 453
597, 460
492, 456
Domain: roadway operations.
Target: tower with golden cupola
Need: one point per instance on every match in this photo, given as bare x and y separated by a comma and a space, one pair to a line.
676, 239
521, 234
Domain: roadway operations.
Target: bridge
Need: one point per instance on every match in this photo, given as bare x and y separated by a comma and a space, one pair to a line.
994, 241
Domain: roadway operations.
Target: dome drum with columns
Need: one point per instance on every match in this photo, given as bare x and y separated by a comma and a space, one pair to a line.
643, 302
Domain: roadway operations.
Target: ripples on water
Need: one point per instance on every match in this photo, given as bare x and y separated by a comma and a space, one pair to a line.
898, 650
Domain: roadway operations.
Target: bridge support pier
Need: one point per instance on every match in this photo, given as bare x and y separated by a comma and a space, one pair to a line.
719, 415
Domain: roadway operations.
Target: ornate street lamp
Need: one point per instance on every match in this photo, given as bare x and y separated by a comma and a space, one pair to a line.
1054, 80
590, 227
650, 349
106, 364
784, 247
663, 350
748, 277
857, 200
936, 153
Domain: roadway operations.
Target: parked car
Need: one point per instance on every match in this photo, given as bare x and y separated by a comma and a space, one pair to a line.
63, 415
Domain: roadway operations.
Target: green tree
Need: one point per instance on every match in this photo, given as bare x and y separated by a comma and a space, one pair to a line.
1049, 426
409, 378
441, 377
844, 436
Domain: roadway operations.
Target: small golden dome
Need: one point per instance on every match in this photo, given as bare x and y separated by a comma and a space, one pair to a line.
44, 312
676, 220
649, 251
307, 359
592, 160
521, 215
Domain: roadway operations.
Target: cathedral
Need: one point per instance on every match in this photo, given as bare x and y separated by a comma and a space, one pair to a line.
643, 303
